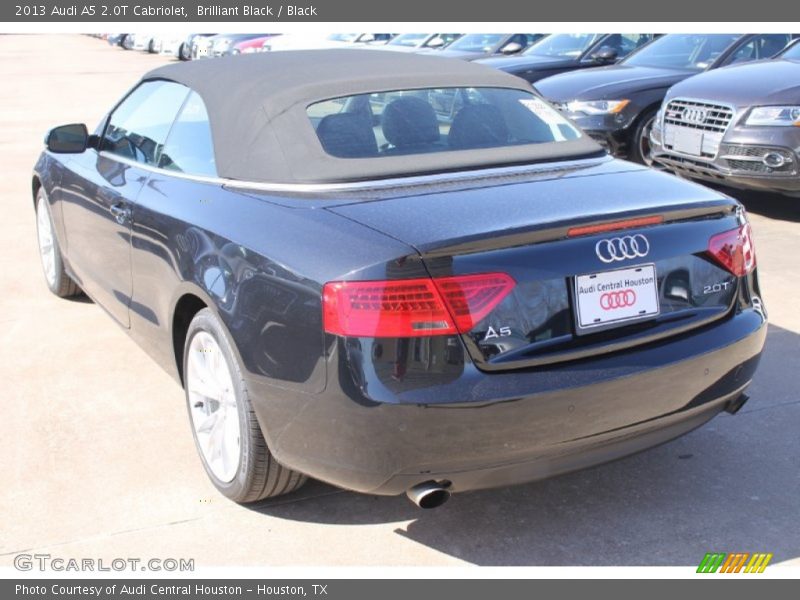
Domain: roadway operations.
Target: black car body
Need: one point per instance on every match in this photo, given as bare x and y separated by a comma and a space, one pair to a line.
560, 53
616, 105
472, 46
440, 312
738, 126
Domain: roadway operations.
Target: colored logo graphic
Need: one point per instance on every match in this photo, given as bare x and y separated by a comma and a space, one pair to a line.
620, 299
736, 562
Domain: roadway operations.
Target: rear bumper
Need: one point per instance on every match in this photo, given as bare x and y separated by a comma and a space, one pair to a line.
479, 430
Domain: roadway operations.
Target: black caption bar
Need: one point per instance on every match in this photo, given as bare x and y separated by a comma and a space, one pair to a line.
384, 589
43, 11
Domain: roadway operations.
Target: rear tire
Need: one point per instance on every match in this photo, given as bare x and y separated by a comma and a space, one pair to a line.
55, 275
224, 426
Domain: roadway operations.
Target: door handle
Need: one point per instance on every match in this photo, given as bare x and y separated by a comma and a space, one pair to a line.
121, 213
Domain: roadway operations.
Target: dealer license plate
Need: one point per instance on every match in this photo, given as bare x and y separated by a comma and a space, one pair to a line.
612, 298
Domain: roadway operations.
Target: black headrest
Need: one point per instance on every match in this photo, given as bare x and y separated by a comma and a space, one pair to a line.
409, 121
347, 135
478, 126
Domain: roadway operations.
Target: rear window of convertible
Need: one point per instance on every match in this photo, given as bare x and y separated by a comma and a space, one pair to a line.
420, 121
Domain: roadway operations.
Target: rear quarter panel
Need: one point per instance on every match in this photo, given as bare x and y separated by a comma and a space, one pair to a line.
259, 266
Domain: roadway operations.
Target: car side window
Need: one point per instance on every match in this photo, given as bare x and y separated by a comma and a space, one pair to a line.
189, 147
138, 127
760, 46
633, 41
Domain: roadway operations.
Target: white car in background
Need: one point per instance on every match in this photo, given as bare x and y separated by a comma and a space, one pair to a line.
304, 41
147, 42
171, 45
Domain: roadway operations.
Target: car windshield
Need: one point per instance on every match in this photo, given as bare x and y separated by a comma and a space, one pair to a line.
565, 45
683, 51
792, 53
477, 42
422, 121
343, 37
409, 40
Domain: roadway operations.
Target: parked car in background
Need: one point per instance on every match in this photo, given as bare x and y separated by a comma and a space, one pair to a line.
310, 41
189, 44
738, 126
617, 105
224, 44
411, 42
564, 52
117, 39
142, 41
250, 45
201, 45
352, 287
170, 45
473, 46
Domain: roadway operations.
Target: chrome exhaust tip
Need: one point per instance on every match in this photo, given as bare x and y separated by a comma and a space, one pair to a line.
429, 494
734, 405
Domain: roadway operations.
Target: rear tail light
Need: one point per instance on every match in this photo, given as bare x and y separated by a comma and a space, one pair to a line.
734, 250
411, 307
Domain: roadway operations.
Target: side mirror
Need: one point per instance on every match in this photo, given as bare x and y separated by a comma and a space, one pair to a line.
436, 42
605, 55
68, 139
511, 48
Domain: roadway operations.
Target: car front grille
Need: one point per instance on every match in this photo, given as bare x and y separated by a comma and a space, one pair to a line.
697, 114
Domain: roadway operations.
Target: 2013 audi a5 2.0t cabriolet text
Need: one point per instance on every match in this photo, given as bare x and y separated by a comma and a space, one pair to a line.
397, 273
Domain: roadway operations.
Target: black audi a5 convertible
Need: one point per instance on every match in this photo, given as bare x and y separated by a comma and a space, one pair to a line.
397, 273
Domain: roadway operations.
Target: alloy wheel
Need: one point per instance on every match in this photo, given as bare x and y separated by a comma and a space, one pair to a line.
213, 406
47, 247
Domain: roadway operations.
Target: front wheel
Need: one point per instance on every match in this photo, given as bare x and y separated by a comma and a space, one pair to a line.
639, 148
226, 432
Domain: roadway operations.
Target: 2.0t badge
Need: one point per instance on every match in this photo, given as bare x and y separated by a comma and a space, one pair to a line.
622, 248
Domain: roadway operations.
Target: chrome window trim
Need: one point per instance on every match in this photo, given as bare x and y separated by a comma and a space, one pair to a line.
375, 184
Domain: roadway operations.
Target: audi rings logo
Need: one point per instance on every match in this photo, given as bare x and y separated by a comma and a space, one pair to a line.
622, 248
620, 299
694, 115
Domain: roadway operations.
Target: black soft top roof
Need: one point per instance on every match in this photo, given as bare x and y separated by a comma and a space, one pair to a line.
257, 109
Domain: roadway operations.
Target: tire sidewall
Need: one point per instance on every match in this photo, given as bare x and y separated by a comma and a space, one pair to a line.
206, 321
42, 203
646, 118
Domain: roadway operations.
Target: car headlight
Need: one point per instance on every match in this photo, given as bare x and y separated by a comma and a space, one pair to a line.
597, 107
780, 116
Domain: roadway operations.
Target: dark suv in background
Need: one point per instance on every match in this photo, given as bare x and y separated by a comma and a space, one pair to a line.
617, 105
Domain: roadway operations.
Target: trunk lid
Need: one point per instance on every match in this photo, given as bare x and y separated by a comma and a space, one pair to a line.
523, 229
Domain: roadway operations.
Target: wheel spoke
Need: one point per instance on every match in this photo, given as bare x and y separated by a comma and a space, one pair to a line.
46, 241
213, 406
